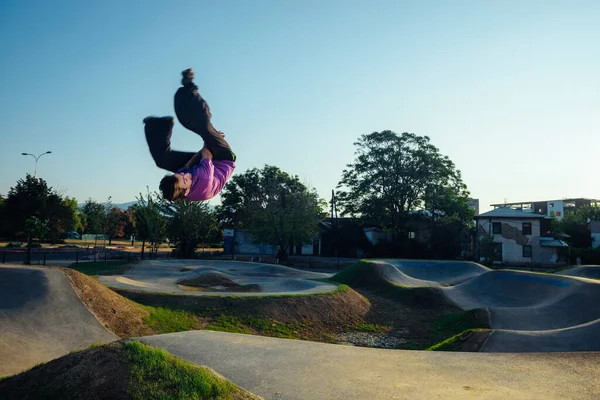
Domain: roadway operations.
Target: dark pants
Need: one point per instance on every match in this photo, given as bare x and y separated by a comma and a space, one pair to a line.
158, 135
194, 114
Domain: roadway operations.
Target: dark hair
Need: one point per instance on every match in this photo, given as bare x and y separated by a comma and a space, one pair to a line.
167, 187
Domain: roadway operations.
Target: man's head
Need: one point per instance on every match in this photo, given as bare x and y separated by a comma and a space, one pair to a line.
173, 187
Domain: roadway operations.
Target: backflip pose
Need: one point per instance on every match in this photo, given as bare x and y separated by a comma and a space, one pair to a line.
197, 176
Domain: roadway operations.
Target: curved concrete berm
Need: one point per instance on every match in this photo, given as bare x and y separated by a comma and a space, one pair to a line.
583, 271
530, 312
165, 276
446, 272
41, 318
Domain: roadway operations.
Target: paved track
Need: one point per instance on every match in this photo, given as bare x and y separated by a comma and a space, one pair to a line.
446, 272
41, 318
530, 312
163, 276
300, 370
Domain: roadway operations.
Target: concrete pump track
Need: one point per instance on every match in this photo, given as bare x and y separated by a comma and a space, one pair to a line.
42, 318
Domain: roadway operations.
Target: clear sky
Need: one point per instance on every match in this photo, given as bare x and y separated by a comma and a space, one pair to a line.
509, 90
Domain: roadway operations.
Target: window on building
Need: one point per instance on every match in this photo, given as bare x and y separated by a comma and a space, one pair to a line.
526, 251
551, 205
496, 228
526, 228
411, 235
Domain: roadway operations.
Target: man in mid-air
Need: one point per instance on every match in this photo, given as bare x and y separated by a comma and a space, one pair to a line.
197, 176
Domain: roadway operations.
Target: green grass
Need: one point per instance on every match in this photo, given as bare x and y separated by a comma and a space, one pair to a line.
249, 324
155, 374
92, 346
452, 342
166, 320
372, 328
112, 267
228, 323
452, 324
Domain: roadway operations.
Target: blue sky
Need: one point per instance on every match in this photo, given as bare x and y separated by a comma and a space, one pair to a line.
509, 90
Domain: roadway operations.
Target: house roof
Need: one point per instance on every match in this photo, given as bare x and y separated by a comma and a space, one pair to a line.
507, 212
549, 242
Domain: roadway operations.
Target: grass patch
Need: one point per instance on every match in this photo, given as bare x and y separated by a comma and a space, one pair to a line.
371, 328
262, 326
228, 323
166, 320
155, 374
452, 324
453, 342
112, 267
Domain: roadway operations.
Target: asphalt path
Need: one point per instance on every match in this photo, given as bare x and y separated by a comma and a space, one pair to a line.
298, 370
41, 318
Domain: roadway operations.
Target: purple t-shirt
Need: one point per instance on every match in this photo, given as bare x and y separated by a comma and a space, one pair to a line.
208, 178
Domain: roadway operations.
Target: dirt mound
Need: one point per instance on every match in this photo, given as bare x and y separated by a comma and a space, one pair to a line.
212, 282
341, 307
118, 371
97, 373
119, 315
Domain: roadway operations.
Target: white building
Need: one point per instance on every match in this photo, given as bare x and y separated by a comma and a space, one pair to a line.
521, 237
550, 208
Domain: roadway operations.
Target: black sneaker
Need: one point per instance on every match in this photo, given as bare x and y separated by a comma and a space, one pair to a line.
188, 77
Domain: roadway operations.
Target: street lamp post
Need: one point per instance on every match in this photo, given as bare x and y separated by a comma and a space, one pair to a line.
36, 160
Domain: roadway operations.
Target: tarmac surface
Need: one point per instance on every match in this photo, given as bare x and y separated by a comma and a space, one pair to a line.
41, 318
163, 276
530, 312
583, 271
299, 370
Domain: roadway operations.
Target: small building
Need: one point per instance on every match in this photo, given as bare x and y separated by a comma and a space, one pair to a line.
243, 243
474, 204
520, 237
550, 208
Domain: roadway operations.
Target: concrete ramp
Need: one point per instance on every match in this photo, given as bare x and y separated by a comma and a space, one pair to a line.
164, 275
446, 272
584, 337
41, 318
393, 274
583, 271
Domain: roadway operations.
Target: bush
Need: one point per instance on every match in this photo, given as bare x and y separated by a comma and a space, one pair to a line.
13, 245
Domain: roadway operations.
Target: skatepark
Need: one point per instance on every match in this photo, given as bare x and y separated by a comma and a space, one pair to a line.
545, 324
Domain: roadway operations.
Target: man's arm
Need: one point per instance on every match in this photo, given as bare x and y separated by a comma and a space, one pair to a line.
203, 154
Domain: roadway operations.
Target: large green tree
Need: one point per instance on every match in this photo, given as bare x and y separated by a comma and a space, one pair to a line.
273, 206
149, 221
32, 197
189, 223
394, 175
575, 225
95, 216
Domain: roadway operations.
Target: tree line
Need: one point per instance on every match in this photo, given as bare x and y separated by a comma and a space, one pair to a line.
396, 182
